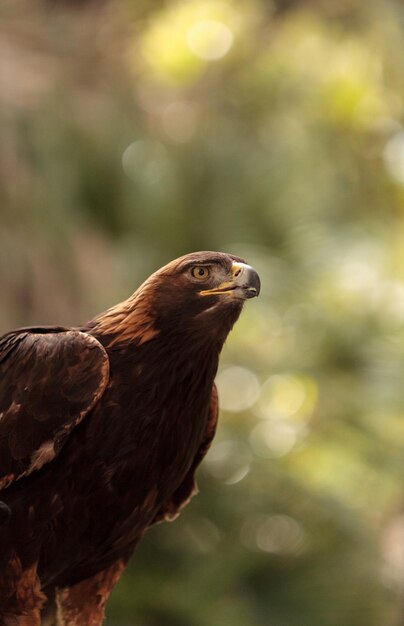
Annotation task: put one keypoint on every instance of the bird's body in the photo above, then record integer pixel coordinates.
(101, 430)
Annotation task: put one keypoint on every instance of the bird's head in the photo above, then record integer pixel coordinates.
(201, 291)
(203, 285)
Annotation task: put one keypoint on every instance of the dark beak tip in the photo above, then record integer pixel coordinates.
(254, 284)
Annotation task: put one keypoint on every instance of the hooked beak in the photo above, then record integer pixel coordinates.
(245, 283)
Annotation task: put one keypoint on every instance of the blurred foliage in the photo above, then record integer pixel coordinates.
(134, 132)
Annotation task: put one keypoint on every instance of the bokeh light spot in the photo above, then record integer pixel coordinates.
(273, 438)
(228, 461)
(238, 388)
(280, 534)
(209, 39)
(281, 396)
(277, 534)
(393, 156)
(144, 160)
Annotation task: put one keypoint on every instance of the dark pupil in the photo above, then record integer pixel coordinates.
(201, 271)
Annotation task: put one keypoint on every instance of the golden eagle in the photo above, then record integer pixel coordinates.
(101, 429)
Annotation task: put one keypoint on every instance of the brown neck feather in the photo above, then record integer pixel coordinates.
(130, 321)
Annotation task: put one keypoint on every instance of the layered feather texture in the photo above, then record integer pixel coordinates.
(101, 430)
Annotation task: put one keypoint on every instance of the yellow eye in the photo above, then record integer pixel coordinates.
(200, 272)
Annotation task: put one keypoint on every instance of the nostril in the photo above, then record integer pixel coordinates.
(237, 273)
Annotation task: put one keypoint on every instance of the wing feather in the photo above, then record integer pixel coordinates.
(49, 380)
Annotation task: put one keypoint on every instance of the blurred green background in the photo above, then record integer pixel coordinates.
(133, 132)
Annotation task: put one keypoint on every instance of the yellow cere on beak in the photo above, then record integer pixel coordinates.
(240, 272)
